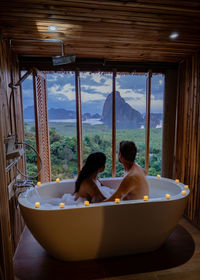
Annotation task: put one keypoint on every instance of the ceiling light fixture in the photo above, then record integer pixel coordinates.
(52, 28)
(174, 35)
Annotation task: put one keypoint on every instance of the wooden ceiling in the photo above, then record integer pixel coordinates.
(113, 30)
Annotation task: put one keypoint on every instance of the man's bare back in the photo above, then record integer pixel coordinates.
(133, 186)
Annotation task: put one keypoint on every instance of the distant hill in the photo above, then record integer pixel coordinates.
(126, 116)
(29, 112)
(59, 114)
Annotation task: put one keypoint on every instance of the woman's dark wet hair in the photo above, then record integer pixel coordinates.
(128, 150)
(93, 162)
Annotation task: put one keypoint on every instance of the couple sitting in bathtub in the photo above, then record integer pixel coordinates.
(133, 186)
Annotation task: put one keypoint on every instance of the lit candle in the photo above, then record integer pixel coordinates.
(168, 196)
(146, 197)
(38, 184)
(177, 181)
(57, 180)
(183, 192)
(86, 202)
(62, 205)
(37, 205)
(158, 175)
(186, 187)
(117, 200)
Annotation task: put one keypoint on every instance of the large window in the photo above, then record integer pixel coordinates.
(156, 122)
(96, 105)
(130, 113)
(90, 112)
(62, 124)
(29, 125)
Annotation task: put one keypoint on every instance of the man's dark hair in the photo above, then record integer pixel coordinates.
(128, 150)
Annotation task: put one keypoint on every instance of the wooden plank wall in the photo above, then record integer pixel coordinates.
(187, 151)
(10, 123)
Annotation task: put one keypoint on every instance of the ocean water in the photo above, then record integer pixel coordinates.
(88, 121)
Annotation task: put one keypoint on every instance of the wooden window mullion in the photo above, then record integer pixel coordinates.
(147, 129)
(79, 122)
(41, 125)
(114, 125)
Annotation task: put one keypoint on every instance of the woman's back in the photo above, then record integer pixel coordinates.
(90, 191)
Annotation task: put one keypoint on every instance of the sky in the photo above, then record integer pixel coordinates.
(95, 87)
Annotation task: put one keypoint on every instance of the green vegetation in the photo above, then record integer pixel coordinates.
(95, 138)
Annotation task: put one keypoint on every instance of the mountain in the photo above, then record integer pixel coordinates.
(156, 120)
(58, 114)
(126, 116)
(29, 113)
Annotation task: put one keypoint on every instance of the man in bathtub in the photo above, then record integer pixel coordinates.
(134, 184)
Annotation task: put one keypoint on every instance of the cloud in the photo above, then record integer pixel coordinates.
(132, 94)
(104, 89)
(68, 92)
(90, 97)
(27, 93)
(52, 78)
(157, 105)
(85, 75)
(30, 77)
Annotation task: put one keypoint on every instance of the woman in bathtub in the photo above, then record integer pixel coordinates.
(87, 184)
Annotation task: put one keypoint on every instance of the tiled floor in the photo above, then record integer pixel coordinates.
(177, 259)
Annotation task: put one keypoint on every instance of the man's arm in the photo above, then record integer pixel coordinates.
(123, 189)
(97, 192)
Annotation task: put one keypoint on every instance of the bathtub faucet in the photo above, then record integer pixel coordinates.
(20, 184)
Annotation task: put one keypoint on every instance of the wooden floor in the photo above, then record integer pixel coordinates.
(182, 261)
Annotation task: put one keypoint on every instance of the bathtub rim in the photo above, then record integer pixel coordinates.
(23, 201)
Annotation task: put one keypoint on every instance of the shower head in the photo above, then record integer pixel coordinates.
(60, 60)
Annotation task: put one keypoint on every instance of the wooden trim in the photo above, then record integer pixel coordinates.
(5, 227)
(23, 78)
(41, 125)
(114, 125)
(187, 154)
(147, 130)
(176, 122)
(36, 117)
(95, 64)
(79, 122)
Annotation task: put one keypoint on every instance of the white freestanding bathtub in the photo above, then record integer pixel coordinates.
(105, 229)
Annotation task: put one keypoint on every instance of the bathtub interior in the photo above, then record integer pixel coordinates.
(157, 187)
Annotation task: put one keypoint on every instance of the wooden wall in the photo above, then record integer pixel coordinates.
(187, 151)
(11, 224)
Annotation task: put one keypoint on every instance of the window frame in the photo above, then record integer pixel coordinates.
(79, 121)
(79, 115)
